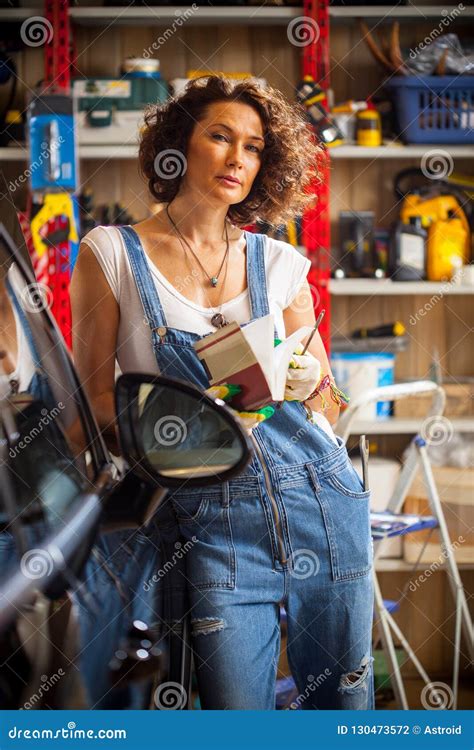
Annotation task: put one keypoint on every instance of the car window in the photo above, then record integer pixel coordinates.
(44, 449)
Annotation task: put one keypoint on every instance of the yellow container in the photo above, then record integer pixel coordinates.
(369, 128)
(446, 249)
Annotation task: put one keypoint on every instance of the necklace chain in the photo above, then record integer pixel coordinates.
(218, 320)
(213, 279)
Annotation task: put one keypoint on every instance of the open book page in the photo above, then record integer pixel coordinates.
(259, 334)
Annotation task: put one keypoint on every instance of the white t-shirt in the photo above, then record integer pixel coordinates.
(285, 271)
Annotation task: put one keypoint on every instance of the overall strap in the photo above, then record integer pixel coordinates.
(154, 313)
(256, 281)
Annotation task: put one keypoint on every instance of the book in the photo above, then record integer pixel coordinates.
(246, 356)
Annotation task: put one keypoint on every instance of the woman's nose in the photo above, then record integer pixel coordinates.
(235, 155)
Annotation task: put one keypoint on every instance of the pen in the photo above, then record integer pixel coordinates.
(316, 326)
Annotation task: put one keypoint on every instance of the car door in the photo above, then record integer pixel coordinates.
(54, 463)
(55, 470)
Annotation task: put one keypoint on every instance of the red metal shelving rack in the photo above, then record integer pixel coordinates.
(53, 269)
(57, 61)
(316, 223)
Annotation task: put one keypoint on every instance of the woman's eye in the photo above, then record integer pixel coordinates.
(220, 135)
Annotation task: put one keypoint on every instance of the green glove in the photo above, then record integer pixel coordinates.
(248, 419)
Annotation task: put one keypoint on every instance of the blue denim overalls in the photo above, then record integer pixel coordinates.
(293, 529)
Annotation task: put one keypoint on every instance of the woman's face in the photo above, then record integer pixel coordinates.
(227, 141)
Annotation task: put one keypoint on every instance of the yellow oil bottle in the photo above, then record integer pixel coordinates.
(446, 249)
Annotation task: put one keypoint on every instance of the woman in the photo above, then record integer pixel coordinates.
(293, 530)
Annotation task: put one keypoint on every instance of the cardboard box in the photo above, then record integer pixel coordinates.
(459, 402)
(456, 490)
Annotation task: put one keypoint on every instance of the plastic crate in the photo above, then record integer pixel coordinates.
(434, 109)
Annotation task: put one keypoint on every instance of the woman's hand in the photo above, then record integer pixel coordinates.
(248, 419)
(301, 313)
(304, 373)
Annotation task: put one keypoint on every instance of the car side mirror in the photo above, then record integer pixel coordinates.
(173, 433)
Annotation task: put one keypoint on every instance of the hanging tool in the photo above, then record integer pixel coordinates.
(391, 59)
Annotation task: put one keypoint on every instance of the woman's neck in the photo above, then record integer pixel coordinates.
(202, 224)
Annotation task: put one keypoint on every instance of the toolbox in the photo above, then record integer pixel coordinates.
(110, 110)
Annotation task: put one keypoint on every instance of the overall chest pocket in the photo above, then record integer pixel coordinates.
(345, 508)
(176, 358)
(205, 527)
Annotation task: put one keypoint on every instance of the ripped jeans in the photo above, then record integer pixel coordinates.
(237, 582)
(220, 543)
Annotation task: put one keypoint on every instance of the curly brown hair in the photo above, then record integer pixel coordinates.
(289, 160)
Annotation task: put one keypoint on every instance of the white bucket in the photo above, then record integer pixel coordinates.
(356, 373)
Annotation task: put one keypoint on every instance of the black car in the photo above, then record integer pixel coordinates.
(62, 497)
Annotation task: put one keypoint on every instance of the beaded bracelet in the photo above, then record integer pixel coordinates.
(338, 396)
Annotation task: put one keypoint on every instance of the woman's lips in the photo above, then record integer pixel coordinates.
(230, 183)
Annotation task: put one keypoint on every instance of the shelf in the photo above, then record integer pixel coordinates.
(418, 13)
(19, 14)
(129, 151)
(13, 154)
(402, 426)
(387, 344)
(375, 287)
(159, 15)
(154, 15)
(392, 564)
(84, 152)
(397, 151)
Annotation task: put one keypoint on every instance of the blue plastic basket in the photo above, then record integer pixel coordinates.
(434, 109)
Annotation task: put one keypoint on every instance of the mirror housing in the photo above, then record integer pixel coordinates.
(190, 448)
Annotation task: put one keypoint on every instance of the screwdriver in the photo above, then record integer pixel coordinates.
(364, 454)
(316, 326)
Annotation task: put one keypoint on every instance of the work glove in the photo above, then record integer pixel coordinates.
(248, 419)
(304, 373)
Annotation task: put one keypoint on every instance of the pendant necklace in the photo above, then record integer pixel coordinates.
(213, 279)
(218, 320)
